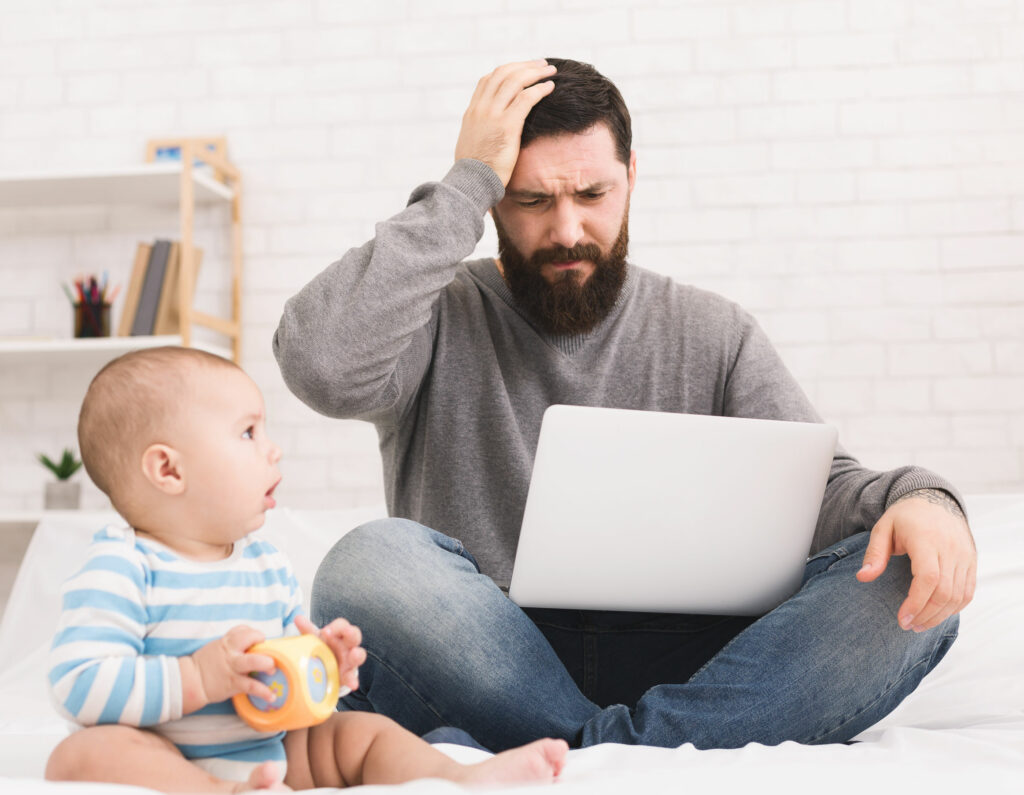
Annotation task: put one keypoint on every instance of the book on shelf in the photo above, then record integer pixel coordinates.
(131, 296)
(151, 302)
(153, 283)
(168, 316)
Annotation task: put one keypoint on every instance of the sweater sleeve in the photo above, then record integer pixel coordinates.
(97, 672)
(357, 340)
(759, 385)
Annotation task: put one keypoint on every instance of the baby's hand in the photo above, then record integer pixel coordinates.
(221, 668)
(343, 639)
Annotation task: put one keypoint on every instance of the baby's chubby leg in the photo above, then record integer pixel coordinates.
(126, 755)
(352, 748)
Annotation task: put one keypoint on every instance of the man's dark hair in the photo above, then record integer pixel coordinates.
(582, 97)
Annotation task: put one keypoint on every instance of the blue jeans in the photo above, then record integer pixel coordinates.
(446, 647)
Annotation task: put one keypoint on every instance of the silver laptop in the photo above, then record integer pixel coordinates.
(676, 513)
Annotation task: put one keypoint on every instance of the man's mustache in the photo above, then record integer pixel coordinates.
(581, 251)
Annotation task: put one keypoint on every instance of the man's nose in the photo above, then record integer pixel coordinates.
(566, 224)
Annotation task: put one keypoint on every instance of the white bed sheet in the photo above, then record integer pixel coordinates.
(963, 729)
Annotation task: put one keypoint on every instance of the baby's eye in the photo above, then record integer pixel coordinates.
(248, 432)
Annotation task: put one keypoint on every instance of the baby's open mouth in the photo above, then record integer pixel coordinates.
(268, 498)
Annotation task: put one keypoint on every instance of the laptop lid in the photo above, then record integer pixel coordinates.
(665, 512)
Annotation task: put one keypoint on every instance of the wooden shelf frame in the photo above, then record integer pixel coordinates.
(212, 152)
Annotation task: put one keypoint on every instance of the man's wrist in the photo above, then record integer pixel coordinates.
(478, 181)
(938, 497)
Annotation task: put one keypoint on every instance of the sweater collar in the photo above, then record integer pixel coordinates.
(486, 270)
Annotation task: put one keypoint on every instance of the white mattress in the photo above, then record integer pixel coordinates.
(962, 730)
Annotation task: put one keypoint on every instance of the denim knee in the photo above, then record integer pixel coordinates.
(349, 571)
(371, 538)
(382, 569)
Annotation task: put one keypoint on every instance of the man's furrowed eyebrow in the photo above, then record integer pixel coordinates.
(597, 187)
(528, 194)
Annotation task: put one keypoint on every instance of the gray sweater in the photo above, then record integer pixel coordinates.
(433, 350)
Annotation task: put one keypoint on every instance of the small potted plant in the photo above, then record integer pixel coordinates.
(63, 494)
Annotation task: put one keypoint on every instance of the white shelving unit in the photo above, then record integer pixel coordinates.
(148, 183)
(95, 351)
(176, 183)
(202, 176)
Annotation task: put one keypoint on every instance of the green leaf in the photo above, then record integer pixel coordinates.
(67, 467)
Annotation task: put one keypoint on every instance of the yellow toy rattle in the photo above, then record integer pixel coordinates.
(305, 684)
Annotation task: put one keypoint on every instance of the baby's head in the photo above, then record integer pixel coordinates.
(175, 437)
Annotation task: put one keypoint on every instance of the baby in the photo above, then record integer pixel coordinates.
(153, 635)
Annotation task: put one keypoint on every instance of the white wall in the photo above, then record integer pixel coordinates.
(850, 170)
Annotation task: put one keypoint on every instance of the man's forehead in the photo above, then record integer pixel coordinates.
(570, 160)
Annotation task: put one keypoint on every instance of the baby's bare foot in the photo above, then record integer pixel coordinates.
(266, 776)
(539, 761)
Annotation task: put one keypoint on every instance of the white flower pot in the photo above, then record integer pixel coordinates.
(62, 495)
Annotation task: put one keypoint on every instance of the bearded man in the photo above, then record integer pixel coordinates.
(455, 363)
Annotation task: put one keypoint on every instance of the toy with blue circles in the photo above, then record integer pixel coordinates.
(305, 685)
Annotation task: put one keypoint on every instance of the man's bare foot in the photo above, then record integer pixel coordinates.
(266, 776)
(541, 760)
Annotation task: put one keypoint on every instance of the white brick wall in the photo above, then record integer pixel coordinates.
(850, 170)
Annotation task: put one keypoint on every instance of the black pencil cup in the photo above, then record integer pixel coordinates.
(92, 320)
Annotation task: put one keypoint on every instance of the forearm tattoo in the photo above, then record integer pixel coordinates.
(936, 497)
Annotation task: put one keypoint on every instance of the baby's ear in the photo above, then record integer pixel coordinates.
(162, 466)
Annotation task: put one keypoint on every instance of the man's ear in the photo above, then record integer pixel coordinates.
(162, 466)
(631, 169)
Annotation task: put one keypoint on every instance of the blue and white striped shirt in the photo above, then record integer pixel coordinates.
(135, 607)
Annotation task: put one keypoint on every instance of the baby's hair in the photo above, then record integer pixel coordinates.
(132, 403)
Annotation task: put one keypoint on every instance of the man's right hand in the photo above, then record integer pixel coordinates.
(493, 123)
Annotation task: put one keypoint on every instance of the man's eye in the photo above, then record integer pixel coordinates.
(592, 196)
(248, 432)
(531, 202)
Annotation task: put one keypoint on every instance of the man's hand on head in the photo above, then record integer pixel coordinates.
(929, 526)
(493, 123)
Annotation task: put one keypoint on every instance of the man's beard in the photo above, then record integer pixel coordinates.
(566, 306)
